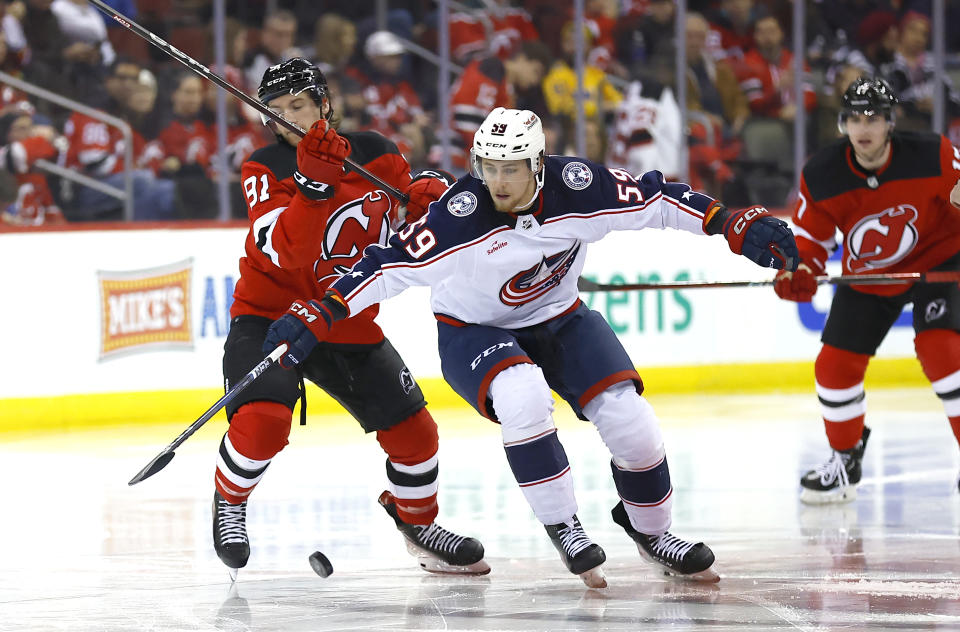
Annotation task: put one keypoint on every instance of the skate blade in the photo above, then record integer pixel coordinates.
(840, 495)
(233, 574)
(594, 578)
(433, 564)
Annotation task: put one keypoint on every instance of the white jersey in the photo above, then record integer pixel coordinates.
(512, 271)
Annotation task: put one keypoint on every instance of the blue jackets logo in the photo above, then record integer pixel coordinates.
(577, 176)
(462, 204)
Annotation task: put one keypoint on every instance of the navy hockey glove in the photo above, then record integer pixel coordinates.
(320, 156)
(761, 238)
(304, 325)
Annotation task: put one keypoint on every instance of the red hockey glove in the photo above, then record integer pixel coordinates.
(304, 325)
(426, 187)
(320, 156)
(761, 238)
(799, 285)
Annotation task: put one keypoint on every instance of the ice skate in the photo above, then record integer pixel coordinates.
(836, 480)
(438, 550)
(676, 557)
(580, 555)
(230, 539)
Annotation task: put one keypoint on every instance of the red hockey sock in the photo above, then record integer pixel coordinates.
(412, 466)
(258, 431)
(939, 353)
(839, 377)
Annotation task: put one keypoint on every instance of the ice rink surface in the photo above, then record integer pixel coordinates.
(80, 550)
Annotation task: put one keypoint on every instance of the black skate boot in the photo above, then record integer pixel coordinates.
(675, 556)
(836, 480)
(580, 555)
(230, 539)
(438, 550)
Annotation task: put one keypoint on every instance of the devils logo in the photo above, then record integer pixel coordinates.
(534, 282)
(351, 228)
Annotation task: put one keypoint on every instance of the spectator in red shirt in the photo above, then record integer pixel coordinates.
(489, 83)
(393, 107)
(23, 144)
(187, 148)
(766, 74)
(98, 150)
(498, 30)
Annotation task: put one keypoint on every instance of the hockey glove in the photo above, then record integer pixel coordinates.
(426, 187)
(304, 325)
(799, 285)
(761, 238)
(320, 156)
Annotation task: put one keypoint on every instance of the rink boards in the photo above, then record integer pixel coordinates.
(115, 324)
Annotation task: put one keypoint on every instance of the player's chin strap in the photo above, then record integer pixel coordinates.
(536, 191)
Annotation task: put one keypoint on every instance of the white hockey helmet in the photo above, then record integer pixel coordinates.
(510, 135)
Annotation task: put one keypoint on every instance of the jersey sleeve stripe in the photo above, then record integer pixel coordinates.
(828, 244)
(263, 231)
(605, 211)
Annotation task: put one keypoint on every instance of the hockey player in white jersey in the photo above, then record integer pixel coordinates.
(501, 252)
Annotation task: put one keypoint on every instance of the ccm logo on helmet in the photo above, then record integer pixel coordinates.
(496, 347)
(746, 217)
(300, 310)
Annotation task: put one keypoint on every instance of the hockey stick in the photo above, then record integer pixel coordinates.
(160, 461)
(586, 285)
(206, 73)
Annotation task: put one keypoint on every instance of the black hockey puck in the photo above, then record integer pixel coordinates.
(320, 564)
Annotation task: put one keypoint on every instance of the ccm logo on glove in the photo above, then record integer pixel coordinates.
(744, 219)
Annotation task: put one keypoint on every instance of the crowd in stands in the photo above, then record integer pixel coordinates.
(516, 53)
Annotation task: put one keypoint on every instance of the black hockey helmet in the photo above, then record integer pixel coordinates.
(294, 76)
(867, 96)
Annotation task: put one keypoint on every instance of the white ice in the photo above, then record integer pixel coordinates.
(80, 550)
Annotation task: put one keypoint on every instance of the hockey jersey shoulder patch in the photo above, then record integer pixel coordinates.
(577, 175)
(462, 204)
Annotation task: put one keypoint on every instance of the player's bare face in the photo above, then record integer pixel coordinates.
(510, 182)
(299, 109)
(868, 135)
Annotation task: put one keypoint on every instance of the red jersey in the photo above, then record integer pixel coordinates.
(498, 32)
(762, 83)
(188, 141)
(482, 87)
(97, 148)
(34, 204)
(295, 249)
(895, 219)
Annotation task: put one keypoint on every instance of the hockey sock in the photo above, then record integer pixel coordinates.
(541, 468)
(629, 428)
(258, 431)
(413, 467)
(939, 353)
(843, 403)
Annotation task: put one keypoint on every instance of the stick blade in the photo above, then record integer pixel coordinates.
(158, 463)
(586, 285)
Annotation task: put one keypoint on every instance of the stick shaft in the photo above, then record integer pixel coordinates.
(166, 455)
(936, 276)
(206, 73)
(229, 395)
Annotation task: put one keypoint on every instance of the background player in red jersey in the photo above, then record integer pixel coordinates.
(895, 197)
(310, 220)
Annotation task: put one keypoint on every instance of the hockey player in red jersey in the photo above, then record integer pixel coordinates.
(311, 217)
(895, 197)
